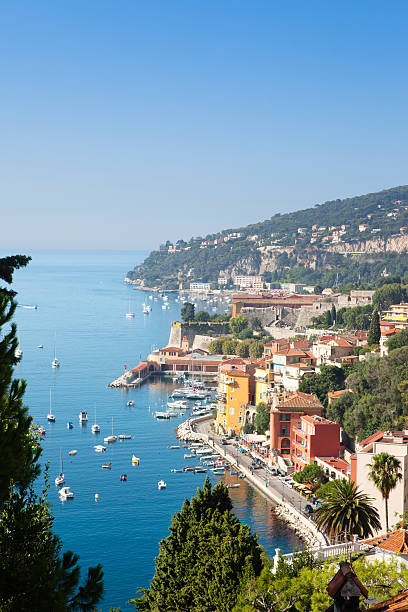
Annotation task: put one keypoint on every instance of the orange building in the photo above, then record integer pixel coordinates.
(314, 436)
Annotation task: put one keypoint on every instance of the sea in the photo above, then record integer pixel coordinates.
(81, 301)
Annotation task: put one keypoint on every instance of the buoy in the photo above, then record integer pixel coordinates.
(96, 497)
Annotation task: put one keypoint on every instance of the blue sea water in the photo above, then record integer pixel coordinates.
(82, 300)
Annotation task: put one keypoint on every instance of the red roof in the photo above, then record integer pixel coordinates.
(300, 400)
(398, 603)
(336, 463)
(394, 541)
(373, 438)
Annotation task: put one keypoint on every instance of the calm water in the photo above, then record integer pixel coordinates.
(83, 300)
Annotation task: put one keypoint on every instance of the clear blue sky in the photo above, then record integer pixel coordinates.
(124, 123)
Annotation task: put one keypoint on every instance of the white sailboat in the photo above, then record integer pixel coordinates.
(129, 314)
(111, 438)
(18, 352)
(95, 427)
(50, 415)
(61, 478)
(55, 362)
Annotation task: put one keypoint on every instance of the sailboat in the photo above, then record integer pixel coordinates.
(50, 415)
(111, 438)
(95, 427)
(129, 314)
(18, 352)
(61, 478)
(55, 362)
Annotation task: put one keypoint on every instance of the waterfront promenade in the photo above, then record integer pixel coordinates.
(291, 504)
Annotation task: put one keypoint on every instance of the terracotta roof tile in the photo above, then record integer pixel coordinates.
(301, 400)
(398, 603)
(394, 541)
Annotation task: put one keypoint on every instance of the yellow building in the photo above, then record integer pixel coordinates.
(234, 387)
(263, 383)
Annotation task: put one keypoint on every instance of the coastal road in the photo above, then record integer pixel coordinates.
(280, 490)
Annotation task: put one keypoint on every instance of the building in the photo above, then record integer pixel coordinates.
(394, 443)
(200, 287)
(397, 314)
(312, 436)
(334, 467)
(263, 382)
(235, 393)
(290, 365)
(332, 349)
(243, 282)
(268, 300)
(285, 416)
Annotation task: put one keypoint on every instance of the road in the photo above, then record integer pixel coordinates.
(281, 490)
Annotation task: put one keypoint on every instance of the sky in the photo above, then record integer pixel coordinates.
(125, 123)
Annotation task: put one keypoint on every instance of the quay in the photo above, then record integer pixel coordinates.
(290, 505)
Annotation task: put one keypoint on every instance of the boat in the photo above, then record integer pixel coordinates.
(177, 404)
(55, 362)
(172, 413)
(200, 470)
(129, 314)
(70, 425)
(124, 437)
(233, 473)
(50, 415)
(110, 438)
(161, 415)
(72, 452)
(161, 485)
(99, 448)
(83, 416)
(60, 479)
(176, 471)
(107, 465)
(188, 456)
(65, 493)
(123, 477)
(130, 403)
(135, 460)
(146, 308)
(40, 346)
(233, 486)
(18, 352)
(95, 427)
(175, 446)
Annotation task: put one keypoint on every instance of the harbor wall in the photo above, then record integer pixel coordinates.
(196, 341)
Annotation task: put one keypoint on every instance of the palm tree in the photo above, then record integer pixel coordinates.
(385, 474)
(347, 510)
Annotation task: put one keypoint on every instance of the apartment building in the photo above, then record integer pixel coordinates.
(236, 387)
(312, 436)
(397, 314)
(394, 443)
(200, 287)
(246, 282)
(332, 348)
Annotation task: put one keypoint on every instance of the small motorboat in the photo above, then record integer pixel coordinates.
(176, 471)
(65, 493)
(40, 346)
(72, 452)
(175, 446)
(83, 416)
(161, 485)
(107, 465)
(70, 425)
(162, 415)
(135, 460)
(96, 497)
(124, 437)
(95, 428)
(60, 480)
(123, 477)
(130, 403)
(99, 448)
(200, 470)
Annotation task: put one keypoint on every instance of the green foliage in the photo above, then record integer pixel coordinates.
(92, 591)
(374, 333)
(312, 474)
(262, 418)
(389, 294)
(346, 511)
(255, 324)
(238, 324)
(398, 340)
(188, 311)
(336, 409)
(7, 267)
(326, 490)
(215, 346)
(331, 378)
(384, 472)
(229, 347)
(202, 315)
(317, 289)
(204, 560)
(248, 428)
(256, 348)
(245, 334)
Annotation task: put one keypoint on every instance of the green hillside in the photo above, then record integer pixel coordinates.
(299, 246)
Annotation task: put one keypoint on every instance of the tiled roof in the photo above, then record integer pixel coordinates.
(373, 438)
(335, 394)
(176, 349)
(291, 353)
(315, 418)
(336, 463)
(398, 603)
(301, 400)
(236, 372)
(394, 541)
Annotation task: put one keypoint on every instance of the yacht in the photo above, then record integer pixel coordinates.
(135, 460)
(50, 415)
(110, 438)
(124, 437)
(95, 427)
(60, 479)
(161, 415)
(99, 448)
(55, 362)
(129, 314)
(161, 485)
(83, 416)
(70, 425)
(65, 493)
(146, 308)
(18, 352)
(107, 465)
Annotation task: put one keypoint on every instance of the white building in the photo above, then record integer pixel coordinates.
(243, 282)
(200, 286)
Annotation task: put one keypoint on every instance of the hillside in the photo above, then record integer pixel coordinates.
(306, 246)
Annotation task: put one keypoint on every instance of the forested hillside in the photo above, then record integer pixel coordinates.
(305, 246)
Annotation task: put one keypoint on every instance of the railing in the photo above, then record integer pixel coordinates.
(323, 553)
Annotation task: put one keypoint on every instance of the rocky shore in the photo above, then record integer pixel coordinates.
(291, 518)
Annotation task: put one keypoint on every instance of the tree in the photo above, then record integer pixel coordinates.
(398, 340)
(347, 511)
(256, 349)
(248, 428)
(328, 318)
(262, 418)
(92, 591)
(312, 474)
(389, 294)
(331, 378)
(384, 473)
(317, 289)
(7, 267)
(245, 334)
(374, 333)
(243, 349)
(333, 314)
(215, 346)
(202, 563)
(336, 409)
(188, 312)
(238, 324)
(229, 347)
(255, 324)
(202, 315)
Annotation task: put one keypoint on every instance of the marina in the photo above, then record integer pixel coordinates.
(124, 514)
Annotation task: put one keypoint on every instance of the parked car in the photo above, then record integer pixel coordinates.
(309, 509)
(224, 442)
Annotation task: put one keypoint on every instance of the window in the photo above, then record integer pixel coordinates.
(231, 411)
(285, 416)
(283, 430)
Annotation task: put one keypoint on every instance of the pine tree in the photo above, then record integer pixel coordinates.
(202, 562)
(333, 314)
(374, 333)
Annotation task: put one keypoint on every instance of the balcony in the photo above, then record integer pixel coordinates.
(299, 444)
(221, 409)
